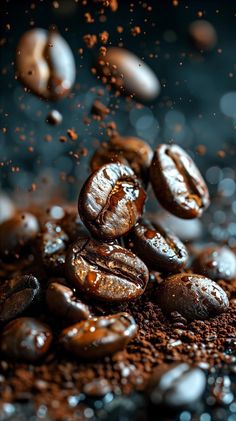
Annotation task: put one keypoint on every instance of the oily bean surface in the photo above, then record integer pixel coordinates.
(106, 272)
(111, 201)
(98, 337)
(193, 296)
(51, 245)
(216, 263)
(25, 339)
(177, 182)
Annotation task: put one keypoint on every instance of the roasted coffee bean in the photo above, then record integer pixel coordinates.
(193, 296)
(216, 263)
(17, 232)
(106, 272)
(160, 249)
(73, 226)
(62, 302)
(127, 149)
(51, 245)
(111, 201)
(203, 35)
(45, 63)
(177, 182)
(25, 339)
(54, 118)
(100, 336)
(97, 388)
(7, 208)
(176, 385)
(16, 295)
(128, 73)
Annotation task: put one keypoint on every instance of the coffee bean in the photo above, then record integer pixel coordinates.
(216, 263)
(193, 296)
(203, 35)
(16, 295)
(17, 232)
(51, 246)
(127, 149)
(106, 272)
(97, 388)
(111, 201)
(45, 63)
(128, 74)
(160, 249)
(73, 226)
(62, 302)
(25, 339)
(177, 182)
(54, 118)
(100, 336)
(176, 385)
(7, 208)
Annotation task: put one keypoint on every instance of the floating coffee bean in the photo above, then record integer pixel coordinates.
(16, 295)
(62, 302)
(45, 63)
(54, 118)
(216, 263)
(177, 182)
(7, 208)
(193, 296)
(111, 201)
(106, 272)
(131, 150)
(176, 385)
(100, 336)
(160, 249)
(25, 339)
(203, 35)
(17, 232)
(128, 73)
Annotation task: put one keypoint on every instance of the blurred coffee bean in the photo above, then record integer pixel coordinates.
(97, 388)
(100, 336)
(111, 201)
(62, 302)
(7, 208)
(106, 272)
(192, 296)
(54, 118)
(176, 385)
(177, 182)
(17, 232)
(25, 339)
(16, 295)
(73, 226)
(216, 263)
(128, 73)
(132, 150)
(45, 63)
(160, 249)
(51, 245)
(203, 35)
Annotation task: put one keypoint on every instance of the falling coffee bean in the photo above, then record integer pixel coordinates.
(192, 296)
(216, 263)
(45, 63)
(177, 182)
(16, 295)
(100, 336)
(176, 385)
(17, 232)
(25, 339)
(62, 302)
(160, 249)
(54, 118)
(51, 246)
(111, 201)
(128, 73)
(106, 272)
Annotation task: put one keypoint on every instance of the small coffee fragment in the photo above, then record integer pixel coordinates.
(54, 118)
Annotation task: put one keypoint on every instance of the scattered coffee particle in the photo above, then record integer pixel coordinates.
(99, 109)
(90, 40)
(72, 134)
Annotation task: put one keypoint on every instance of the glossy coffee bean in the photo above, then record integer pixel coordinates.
(16, 295)
(100, 336)
(25, 339)
(45, 63)
(111, 201)
(177, 182)
(192, 296)
(62, 302)
(160, 249)
(127, 149)
(51, 246)
(54, 118)
(107, 272)
(128, 73)
(17, 232)
(176, 385)
(216, 263)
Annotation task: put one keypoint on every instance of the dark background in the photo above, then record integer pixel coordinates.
(188, 111)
